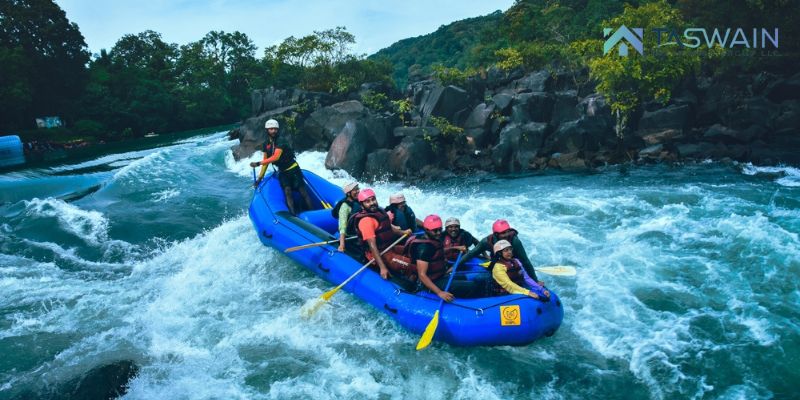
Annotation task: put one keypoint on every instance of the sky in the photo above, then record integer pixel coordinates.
(375, 23)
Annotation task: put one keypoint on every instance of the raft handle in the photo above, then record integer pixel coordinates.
(266, 235)
(479, 312)
(323, 268)
(390, 309)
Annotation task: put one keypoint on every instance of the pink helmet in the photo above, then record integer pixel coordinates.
(365, 194)
(432, 222)
(500, 226)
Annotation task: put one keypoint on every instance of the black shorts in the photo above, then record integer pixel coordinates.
(292, 178)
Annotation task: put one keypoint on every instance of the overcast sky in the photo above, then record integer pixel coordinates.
(375, 23)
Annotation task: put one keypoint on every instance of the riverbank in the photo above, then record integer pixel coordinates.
(51, 147)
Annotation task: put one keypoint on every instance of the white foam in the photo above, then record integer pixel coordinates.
(90, 226)
(786, 176)
(165, 195)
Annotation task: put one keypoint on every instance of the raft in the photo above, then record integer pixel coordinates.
(514, 320)
(11, 151)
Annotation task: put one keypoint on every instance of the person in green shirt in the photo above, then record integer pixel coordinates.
(344, 208)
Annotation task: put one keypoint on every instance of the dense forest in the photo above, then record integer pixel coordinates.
(143, 84)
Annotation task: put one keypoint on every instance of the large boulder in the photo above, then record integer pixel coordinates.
(536, 107)
(497, 77)
(539, 81)
(264, 100)
(478, 124)
(585, 134)
(410, 156)
(781, 90)
(573, 161)
(503, 100)
(664, 125)
(721, 133)
(322, 125)
(349, 149)
(445, 102)
(518, 146)
(377, 165)
(565, 107)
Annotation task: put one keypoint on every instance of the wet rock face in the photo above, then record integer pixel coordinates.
(509, 120)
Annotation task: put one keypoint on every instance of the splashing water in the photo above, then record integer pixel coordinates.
(687, 285)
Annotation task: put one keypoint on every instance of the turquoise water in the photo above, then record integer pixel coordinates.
(687, 286)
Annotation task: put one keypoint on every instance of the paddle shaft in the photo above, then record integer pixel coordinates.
(341, 285)
(306, 246)
(430, 330)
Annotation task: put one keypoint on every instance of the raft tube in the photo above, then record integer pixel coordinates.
(489, 321)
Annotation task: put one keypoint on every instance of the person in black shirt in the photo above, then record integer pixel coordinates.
(278, 152)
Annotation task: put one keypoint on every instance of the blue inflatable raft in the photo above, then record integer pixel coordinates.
(489, 321)
(11, 151)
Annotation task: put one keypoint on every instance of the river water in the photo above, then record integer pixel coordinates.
(687, 286)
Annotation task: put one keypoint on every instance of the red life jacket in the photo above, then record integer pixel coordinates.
(383, 233)
(450, 242)
(400, 259)
(514, 271)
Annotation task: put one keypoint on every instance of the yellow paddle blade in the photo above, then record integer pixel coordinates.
(427, 336)
(561, 270)
(327, 295)
(311, 307)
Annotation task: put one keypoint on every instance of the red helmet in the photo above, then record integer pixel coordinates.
(365, 194)
(432, 222)
(500, 226)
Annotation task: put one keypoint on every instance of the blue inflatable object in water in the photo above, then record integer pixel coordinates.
(11, 151)
(488, 321)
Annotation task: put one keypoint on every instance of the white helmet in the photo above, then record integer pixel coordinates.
(501, 245)
(271, 123)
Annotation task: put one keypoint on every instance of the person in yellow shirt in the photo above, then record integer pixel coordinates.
(510, 277)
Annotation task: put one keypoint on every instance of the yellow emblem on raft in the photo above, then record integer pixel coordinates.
(510, 316)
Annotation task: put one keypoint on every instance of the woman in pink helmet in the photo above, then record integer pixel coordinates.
(501, 230)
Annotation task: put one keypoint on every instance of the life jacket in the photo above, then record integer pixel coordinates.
(354, 207)
(402, 260)
(493, 238)
(450, 242)
(383, 233)
(514, 271)
(405, 219)
(286, 160)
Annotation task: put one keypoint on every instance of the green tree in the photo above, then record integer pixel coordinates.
(46, 57)
(628, 81)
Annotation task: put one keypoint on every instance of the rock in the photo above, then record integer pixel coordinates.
(652, 152)
(264, 100)
(518, 146)
(664, 125)
(721, 133)
(781, 90)
(539, 81)
(497, 77)
(410, 156)
(323, 124)
(569, 138)
(565, 107)
(402, 132)
(536, 107)
(751, 111)
(444, 102)
(478, 123)
(349, 149)
(503, 100)
(568, 161)
(377, 165)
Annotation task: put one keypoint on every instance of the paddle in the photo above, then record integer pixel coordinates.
(305, 246)
(430, 330)
(325, 204)
(327, 295)
(559, 270)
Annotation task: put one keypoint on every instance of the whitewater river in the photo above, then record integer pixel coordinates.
(145, 264)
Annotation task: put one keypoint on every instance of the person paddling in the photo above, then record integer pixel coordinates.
(455, 239)
(374, 228)
(501, 230)
(344, 208)
(279, 153)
